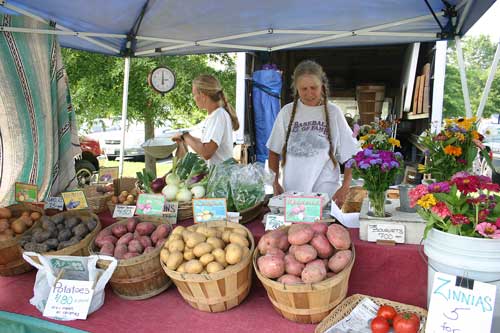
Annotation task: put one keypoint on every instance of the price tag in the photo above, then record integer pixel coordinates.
(54, 203)
(303, 209)
(206, 210)
(170, 211)
(106, 175)
(273, 222)
(75, 200)
(386, 232)
(26, 192)
(123, 211)
(460, 305)
(69, 299)
(150, 204)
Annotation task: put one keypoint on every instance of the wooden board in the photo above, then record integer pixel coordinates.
(421, 94)
(427, 88)
(415, 95)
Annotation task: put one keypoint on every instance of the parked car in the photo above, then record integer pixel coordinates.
(88, 163)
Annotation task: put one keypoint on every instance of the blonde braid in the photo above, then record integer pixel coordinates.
(327, 117)
(229, 109)
(294, 110)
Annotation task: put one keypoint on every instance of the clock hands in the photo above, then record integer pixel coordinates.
(162, 78)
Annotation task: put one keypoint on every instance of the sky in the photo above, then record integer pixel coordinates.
(488, 24)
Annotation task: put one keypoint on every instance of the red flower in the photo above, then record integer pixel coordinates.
(459, 219)
(483, 215)
(467, 185)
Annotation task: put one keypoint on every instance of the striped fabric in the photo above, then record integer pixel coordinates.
(38, 133)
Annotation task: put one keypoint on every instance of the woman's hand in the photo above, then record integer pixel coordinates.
(277, 188)
(177, 138)
(341, 195)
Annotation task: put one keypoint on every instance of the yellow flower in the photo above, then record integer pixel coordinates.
(475, 134)
(364, 137)
(394, 142)
(421, 168)
(460, 136)
(427, 201)
(452, 150)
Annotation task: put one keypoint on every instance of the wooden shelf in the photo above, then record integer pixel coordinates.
(410, 116)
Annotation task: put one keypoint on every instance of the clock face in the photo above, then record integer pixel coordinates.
(162, 79)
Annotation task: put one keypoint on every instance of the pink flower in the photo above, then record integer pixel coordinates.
(416, 193)
(441, 210)
(488, 230)
(458, 219)
(498, 223)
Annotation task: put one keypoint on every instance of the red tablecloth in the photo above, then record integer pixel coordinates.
(396, 272)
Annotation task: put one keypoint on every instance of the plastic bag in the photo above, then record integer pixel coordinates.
(218, 185)
(75, 268)
(248, 185)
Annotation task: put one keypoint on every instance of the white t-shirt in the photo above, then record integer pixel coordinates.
(218, 128)
(308, 166)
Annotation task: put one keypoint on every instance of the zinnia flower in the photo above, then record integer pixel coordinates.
(416, 193)
(452, 150)
(394, 142)
(458, 219)
(488, 230)
(441, 210)
(427, 201)
(439, 187)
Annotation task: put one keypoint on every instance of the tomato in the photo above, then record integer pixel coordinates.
(387, 311)
(406, 322)
(380, 325)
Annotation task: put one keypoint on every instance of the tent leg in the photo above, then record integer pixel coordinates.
(487, 87)
(124, 112)
(240, 95)
(438, 86)
(463, 77)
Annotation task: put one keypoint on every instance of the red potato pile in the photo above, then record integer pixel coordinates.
(131, 239)
(305, 253)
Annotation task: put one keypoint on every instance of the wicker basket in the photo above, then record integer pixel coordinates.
(82, 247)
(306, 303)
(185, 210)
(344, 308)
(96, 200)
(11, 253)
(250, 214)
(137, 278)
(220, 291)
(122, 184)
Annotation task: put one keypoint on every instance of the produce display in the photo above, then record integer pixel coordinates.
(57, 232)
(125, 198)
(131, 239)
(304, 253)
(387, 316)
(11, 226)
(204, 249)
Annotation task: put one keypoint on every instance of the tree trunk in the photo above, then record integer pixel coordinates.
(149, 133)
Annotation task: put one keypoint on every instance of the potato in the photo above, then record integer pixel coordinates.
(202, 248)
(65, 235)
(174, 260)
(239, 239)
(214, 266)
(18, 226)
(4, 225)
(276, 252)
(220, 256)
(164, 253)
(135, 246)
(319, 227)
(176, 245)
(125, 239)
(35, 216)
(7, 236)
(5, 213)
(206, 259)
(305, 253)
(322, 246)
(174, 237)
(270, 240)
(161, 232)
(340, 260)
(339, 237)
(234, 253)
(242, 232)
(181, 268)
(194, 266)
(192, 239)
(107, 249)
(120, 250)
(132, 224)
(124, 194)
(300, 234)
(290, 279)
(114, 199)
(292, 266)
(25, 214)
(314, 272)
(271, 267)
(145, 228)
(119, 230)
(202, 229)
(225, 236)
(80, 230)
(178, 230)
(145, 241)
(216, 243)
(188, 254)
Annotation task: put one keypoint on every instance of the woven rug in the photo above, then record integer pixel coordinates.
(38, 133)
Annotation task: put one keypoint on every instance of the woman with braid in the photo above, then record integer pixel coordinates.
(312, 137)
(216, 142)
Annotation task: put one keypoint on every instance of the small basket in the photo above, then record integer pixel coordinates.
(347, 305)
(250, 214)
(220, 291)
(122, 184)
(11, 253)
(96, 200)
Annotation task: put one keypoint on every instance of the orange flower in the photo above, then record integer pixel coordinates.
(452, 150)
(475, 135)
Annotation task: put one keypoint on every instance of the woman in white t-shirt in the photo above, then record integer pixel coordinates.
(216, 142)
(312, 137)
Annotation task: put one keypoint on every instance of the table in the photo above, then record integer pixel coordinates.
(395, 272)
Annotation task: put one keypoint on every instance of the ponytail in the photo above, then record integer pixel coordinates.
(229, 109)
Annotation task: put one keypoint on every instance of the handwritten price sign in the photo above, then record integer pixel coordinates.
(69, 299)
(460, 305)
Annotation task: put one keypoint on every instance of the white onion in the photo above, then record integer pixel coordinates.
(172, 179)
(198, 191)
(170, 192)
(184, 195)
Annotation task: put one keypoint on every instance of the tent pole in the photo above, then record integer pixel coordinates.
(487, 87)
(438, 86)
(124, 112)
(463, 76)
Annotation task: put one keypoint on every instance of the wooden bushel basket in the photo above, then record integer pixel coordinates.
(95, 200)
(122, 184)
(250, 214)
(137, 278)
(11, 253)
(185, 210)
(306, 303)
(220, 291)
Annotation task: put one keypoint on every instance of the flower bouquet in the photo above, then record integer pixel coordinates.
(467, 205)
(378, 169)
(453, 149)
(377, 135)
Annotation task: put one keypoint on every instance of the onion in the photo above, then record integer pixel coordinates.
(158, 184)
(170, 192)
(184, 195)
(198, 191)
(172, 179)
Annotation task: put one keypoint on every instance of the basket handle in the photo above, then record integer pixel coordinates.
(28, 257)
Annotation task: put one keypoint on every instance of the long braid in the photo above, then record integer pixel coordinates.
(331, 151)
(229, 109)
(294, 110)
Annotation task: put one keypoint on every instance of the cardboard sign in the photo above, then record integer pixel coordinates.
(26, 192)
(123, 211)
(303, 209)
(74, 200)
(206, 210)
(54, 203)
(69, 299)
(460, 305)
(107, 174)
(386, 232)
(150, 204)
(273, 222)
(170, 211)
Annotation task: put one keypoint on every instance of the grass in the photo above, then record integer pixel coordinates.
(131, 168)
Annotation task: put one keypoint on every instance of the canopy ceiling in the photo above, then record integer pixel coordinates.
(201, 26)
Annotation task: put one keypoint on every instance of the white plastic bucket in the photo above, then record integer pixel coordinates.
(473, 258)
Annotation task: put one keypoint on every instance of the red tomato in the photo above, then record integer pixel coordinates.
(380, 325)
(406, 322)
(387, 311)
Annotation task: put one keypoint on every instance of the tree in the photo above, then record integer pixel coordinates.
(96, 84)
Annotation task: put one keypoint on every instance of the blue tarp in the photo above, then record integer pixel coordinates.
(266, 90)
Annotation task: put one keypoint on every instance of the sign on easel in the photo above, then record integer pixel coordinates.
(386, 232)
(273, 222)
(107, 174)
(150, 204)
(26, 192)
(170, 211)
(75, 200)
(69, 299)
(303, 209)
(54, 203)
(207, 210)
(460, 305)
(123, 211)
